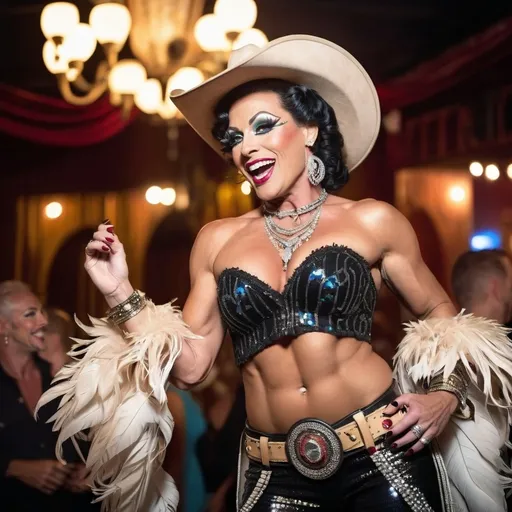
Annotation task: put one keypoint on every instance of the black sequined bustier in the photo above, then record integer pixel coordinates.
(331, 291)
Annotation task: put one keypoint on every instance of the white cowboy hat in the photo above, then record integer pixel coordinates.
(307, 60)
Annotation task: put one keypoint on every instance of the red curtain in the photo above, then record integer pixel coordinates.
(52, 121)
(449, 69)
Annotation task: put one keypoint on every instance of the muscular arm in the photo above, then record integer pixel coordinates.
(200, 313)
(403, 269)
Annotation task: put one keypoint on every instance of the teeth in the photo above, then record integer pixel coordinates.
(38, 334)
(259, 164)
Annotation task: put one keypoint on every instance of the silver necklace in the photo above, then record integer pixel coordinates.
(288, 240)
(281, 214)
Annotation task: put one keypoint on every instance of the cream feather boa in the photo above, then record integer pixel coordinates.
(114, 390)
(471, 447)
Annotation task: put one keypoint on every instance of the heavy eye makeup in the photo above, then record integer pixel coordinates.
(261, 123)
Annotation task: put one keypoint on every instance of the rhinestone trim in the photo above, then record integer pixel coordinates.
(394, 469)
(334, 449)
(256, 493)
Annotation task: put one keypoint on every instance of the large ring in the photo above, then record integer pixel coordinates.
(425, 441)
(314, 449)
(417, 430)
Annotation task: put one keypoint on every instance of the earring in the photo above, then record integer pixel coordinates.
(316, 170)
(6, 340)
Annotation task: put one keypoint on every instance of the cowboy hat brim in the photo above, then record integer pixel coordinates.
(307, 60)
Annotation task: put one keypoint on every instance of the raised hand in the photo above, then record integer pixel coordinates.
(105, 260)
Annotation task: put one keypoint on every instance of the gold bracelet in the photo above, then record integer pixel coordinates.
(132, 306)
(457, 383)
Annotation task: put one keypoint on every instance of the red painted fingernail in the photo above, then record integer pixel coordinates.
(387, 423)
(372, 450)
(110, 229)
(394, 403)
(408, 453)
(108, 239)
(105, 248)
(394, 446)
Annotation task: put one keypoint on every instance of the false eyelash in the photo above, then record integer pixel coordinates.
(229, 141)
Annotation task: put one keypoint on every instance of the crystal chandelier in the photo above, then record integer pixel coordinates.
(175, 47)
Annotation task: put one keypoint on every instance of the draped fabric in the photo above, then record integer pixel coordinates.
(55, 122)
(51, 121)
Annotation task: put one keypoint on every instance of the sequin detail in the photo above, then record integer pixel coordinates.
(331, 291)
(395, 470)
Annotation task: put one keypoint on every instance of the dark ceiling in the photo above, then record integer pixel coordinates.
(388, 36)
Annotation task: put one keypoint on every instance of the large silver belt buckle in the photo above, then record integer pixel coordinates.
(314, 449)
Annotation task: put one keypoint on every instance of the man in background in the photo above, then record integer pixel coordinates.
(482, 284)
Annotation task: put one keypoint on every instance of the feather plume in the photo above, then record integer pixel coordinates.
(471, 449)
(436, 345)
(115, 389)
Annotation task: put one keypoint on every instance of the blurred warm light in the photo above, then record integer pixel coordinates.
(492, 172)
(80, 43)
(154, 195)
(252, 36)
(168, 196)
(185, 78)
(476, 169)
(127, 77)
(246, 188)
(182, 199)
(58, 19)
(149, 96)
(54, 58)
(457, 194)
(236, 15)
(167, 109)
(53, 210)
(210, 35)
(110, 23)
(509, 171)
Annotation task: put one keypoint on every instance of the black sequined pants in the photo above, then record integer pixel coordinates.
(386, 482)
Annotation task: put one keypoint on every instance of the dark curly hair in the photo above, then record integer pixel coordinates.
(307, 108)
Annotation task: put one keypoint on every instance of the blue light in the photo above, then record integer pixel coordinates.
(487, 239)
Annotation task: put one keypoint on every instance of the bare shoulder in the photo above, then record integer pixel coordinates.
(214, 235)
(385, 222)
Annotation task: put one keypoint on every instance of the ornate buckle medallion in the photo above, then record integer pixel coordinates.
(314, 449)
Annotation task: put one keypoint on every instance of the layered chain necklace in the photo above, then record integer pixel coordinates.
(287, 240)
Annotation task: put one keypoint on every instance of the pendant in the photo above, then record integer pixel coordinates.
(286, 257)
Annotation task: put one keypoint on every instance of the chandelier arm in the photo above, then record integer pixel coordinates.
(83, 85)
(97, 90)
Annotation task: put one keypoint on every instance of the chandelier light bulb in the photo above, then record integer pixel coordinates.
(58, 19)
(210, 35)
(80, 43)
(168, 109)
(252, 36)
(168, 196)
(185, 78)
(111, 23)
(492, 172)
(154, 195)
(509, 171)
(53, 210)
(476, 169)
(149, 97)
(127, 77)
(236, 15)
(55, 59)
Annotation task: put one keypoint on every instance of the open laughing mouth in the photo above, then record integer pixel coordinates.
(260, 170)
